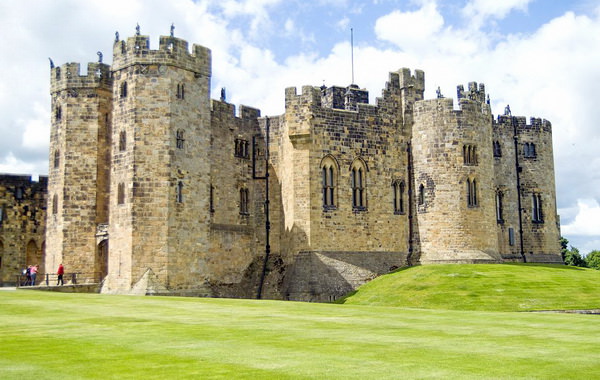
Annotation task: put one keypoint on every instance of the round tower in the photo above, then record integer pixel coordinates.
(453, 179)
(78, 173)
(160, 167)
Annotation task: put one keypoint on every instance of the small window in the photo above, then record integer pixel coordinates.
(123, 91)
(242, 148)
(56, 158)
(328, 180)
(358, 183)
(58, 73)
(421, 198)
(55, 204)
(58, 113)
(19, 193)
(122, 141)
(180, 139)
(180, 91)
(469, 155)
(511, 236)
(497, 149)
(536, 208)
(121, 194)
(529, 150)
(471, 193)
(212, 199)
(244, 201)
(499, 210)
(398, 193)
(179, 191)
(1, 214)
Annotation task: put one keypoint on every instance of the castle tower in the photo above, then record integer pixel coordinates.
(453, 179)
(160, 169)
(78, 174)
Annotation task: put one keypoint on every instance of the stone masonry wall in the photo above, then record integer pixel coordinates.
(22, 225)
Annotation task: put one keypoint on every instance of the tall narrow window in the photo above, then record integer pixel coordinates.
(180, 139)
(180, 91)
(469, 155)
(58, 113)
(212, 199)
(1, 214)
(122, 141)
(121, 193)
(499, 197)
(421, 198)
(328, 180)
(242, 148)
(56, 158)
(471, 193)
(244, 201)
(398, 194)
(123, 90)
(19, 193)
(511, 236)
(497, 149)
(358, 182)
(179, 192)
(54, 204)
(536, 208)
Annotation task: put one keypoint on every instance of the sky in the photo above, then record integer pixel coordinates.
(542, 57)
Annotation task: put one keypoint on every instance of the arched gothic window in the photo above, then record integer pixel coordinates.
(329, 171)
(398, 193)
(358, 176)
(469, 155)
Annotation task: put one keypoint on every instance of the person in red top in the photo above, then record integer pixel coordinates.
(60, 272)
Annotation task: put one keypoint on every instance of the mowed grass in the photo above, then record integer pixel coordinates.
(47, 335)
(493, 287)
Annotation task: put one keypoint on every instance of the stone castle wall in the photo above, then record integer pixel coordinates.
(177, 201)
(22, 226)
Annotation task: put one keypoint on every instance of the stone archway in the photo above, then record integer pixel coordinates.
(34, 256)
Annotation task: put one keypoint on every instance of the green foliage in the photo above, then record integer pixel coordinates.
(89, 336)
(593, 260)
(564, 244)
(489, 287)
(573, 258)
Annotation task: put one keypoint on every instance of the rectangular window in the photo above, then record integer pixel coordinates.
(511, 236)
(242, 148)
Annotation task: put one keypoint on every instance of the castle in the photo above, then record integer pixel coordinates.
(156, 188)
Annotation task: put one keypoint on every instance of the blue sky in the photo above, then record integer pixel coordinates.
(542, 57)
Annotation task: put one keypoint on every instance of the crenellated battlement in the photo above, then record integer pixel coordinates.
(222, 110)
(473, 92)
(172, 51)
(404, 78)
(535, 124)
(309, 95)
(68, 76)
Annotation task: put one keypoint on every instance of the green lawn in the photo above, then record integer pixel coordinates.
(493, 287)
(47, 335)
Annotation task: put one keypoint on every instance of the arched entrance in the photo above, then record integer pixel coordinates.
(101, 260)
(34, 255)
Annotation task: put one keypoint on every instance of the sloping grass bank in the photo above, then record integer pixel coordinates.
(494, 287)
(88, 336)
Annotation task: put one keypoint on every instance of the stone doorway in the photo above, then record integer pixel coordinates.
(101, 260)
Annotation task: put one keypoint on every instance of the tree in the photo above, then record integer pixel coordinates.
(573, 258)
(593, 259)
(564, 244)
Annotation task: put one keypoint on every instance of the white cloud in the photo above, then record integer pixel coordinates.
(479, 10)
(587, 221)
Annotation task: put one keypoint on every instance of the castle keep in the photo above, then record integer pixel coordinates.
(156, 188)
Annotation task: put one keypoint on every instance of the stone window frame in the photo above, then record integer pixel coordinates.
(242, 148)
(511, 236)
(329, 178)
(244, 201)
(469, 154)
(179, 138)
(56, 161)
(123, 90)
(398, 188)
(497, 149)
(529, 150)
(58, 113)
(499, 206)
(421, 195)
(122, 141)
(180, 94)
(358, 184)
(537, 216)
(179, 192)
(472, 196)
(54, 204)
(211, 199)
(121, 193)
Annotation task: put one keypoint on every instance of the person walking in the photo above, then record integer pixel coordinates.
(60, 272)
(33, 273)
